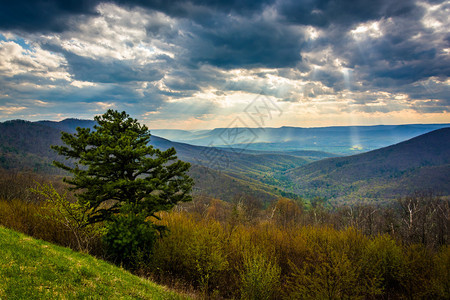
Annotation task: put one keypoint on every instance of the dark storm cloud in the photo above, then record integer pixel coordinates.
(181, 81)
(199, 9)
(343, 12)
(207, 38)
(128, 95)
(330, 77)
(36, 78)
(55, 15)
(43, 15)
(186, 81)
(405, 52)
(109, 70)
(246, 43)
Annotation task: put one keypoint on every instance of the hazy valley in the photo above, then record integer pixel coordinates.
(222, 171)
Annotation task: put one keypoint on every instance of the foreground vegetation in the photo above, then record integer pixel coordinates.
(241, 250)
(267, 261)
(34, 269)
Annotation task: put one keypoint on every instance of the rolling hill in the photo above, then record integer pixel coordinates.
(420, 163)
(26, 146)
(386, 173)
(337, 139)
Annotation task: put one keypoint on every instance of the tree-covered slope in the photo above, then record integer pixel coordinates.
(26, 146)
(417, 164)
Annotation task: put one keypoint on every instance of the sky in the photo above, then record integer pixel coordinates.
(207, 64)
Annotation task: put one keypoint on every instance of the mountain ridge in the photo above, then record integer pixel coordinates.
(343, 140)
(383, 168)
(25, 145)
(223, 172)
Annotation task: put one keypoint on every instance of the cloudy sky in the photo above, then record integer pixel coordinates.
(201, 64)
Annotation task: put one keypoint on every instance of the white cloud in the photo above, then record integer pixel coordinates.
(34, 62)
(436, 16)
(367, 30)
(119, 34)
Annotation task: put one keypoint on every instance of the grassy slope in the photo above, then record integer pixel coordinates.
(34, 269)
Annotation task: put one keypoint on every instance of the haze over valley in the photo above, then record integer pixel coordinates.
(302, 167)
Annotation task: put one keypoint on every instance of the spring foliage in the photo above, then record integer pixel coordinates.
(233, 250)
(266, 259)
(72, 215)
(269, 261)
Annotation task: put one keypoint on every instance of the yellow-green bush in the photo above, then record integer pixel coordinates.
(191, 250)
(260, 277)
(417, 273)
(382, 262)
(271, 261)
(441, 276)
(333, 266)
(27, 217)
(35, 219)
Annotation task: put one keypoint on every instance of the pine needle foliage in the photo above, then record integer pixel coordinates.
(113, 166)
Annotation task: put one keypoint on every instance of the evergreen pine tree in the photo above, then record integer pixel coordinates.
(114, 168)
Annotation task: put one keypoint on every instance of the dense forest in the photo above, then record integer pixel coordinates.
(289, 249)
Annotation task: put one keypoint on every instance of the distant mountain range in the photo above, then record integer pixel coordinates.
(421, 163)
(220, 159)
(219, 173)
(344, 140)
(224, 172)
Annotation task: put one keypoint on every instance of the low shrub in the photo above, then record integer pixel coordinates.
(129, 240)
(260, 277)
(37, 220)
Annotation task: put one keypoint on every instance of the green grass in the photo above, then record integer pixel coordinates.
(34, 269)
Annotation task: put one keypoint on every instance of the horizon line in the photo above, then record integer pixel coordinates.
(283, 126)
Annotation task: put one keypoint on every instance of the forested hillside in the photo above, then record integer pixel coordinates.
(239, 238)
(421, 163)
(418, 164)
(26, 146)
